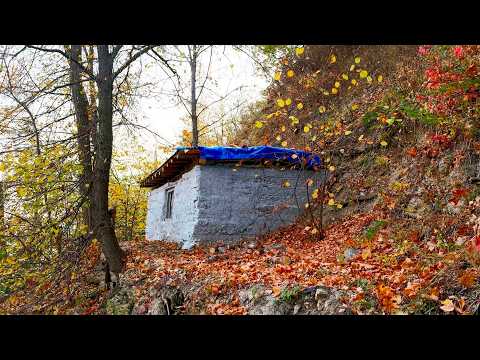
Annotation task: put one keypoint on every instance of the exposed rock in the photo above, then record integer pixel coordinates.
(214, 258)
(314, 300)
(350, 253)
(296, 309)
(121, 303)
(444, 165)
(453, 209)
(416, 208)
(165, 301)
(279, 247)
(321, 293)
(365, 197)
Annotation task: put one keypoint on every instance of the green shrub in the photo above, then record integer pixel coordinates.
(374, 228)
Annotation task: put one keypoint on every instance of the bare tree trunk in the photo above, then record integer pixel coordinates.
(84, 129)
(103, 157)
(193, 70)
(93, 97)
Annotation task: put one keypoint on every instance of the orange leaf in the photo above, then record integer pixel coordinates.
(411, 289)
(276, 291)
(434, 293)
(468, 278)
(412, 152)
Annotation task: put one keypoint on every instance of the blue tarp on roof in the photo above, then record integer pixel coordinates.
(256, 152)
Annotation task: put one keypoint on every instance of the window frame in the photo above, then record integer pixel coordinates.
(169, 194)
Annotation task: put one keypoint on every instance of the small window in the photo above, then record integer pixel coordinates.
(169, 203)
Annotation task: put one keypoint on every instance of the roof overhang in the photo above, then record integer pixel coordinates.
(180, 162)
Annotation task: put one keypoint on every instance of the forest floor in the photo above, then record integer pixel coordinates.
(373, 273)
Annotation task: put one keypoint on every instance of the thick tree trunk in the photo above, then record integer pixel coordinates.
(84, 129)
(103, 157)
(193, 70)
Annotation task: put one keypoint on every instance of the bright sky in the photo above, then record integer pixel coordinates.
(159, 113)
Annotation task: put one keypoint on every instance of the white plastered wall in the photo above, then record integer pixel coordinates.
(179, 228)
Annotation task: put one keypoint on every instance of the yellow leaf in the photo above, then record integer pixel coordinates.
(348, 132)
(339, 206)
(283, 128)
(354, 106)
(258, 124)
(363, 74)
(277, 75)
(334, 90)
(331, 202)
(383, 143)
(286, 184)
(306, 129)
(278, 138)
(331, 168)
(354, 82)
(288, 101)
(380, 78)
(333, 59)
(299, 51)
(327, 160)
(290, 73)
(284, 143)
(21, 191)
(337, 84)
(321, 109)
(447, 305)
(369, 79)
(315, 194)
(366, 253)
(357, 60)
(344, 76)
(280, 103)
(299, 106)
(294, 119)
(352, 67)
(326, 93)
(360, 138)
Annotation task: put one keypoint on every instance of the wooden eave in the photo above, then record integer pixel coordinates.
(179, 163)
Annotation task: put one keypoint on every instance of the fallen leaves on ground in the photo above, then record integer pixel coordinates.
(294, 256)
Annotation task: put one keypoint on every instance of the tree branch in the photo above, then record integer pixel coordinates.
(132, 59)
(65, 55)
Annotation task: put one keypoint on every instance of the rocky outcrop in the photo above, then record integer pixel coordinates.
(315, 300)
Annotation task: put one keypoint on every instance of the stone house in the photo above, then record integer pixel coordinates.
(211, 194)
